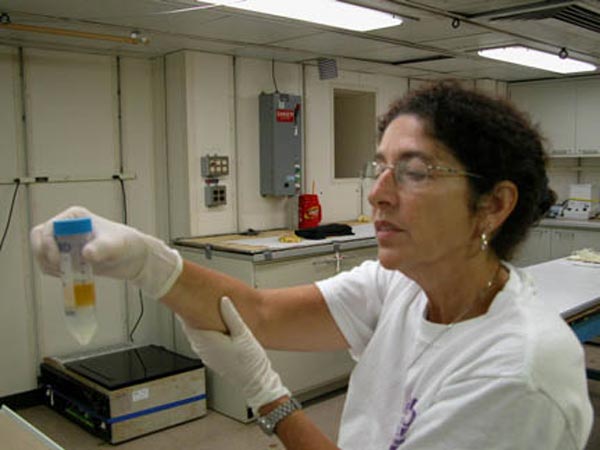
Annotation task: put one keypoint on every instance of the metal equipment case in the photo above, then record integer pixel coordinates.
(280, 144)
(124, 394)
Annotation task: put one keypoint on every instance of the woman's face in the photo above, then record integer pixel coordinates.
(420, 221)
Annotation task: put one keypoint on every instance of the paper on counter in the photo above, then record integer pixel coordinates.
(363, 231)
(587, 255)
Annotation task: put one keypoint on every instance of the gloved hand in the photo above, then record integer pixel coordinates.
(115, 251)
(238, 357)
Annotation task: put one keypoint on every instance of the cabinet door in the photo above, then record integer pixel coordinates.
(586, 239)
(308, 374)
(587, 118)
(298, 271)
(535, 249)
(552, 106)
(561, 243)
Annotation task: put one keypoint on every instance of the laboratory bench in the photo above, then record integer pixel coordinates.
(573, 289)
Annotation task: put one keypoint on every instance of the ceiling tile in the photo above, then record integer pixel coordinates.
(473, 42)
(398, 53)
(278, 54)
(330, 43)
(474, 6)
(452, 65)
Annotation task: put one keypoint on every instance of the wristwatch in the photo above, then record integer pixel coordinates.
(269, 421)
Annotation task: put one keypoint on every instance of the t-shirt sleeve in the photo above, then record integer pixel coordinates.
(355, 302)
(489, 413)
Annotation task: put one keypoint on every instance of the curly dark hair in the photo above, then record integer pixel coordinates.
(490, 137)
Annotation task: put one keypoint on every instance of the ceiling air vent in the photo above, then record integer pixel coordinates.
(571, 14)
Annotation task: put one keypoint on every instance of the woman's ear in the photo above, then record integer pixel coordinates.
(497, 205)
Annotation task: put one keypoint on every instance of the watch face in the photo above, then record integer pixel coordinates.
(265, 424)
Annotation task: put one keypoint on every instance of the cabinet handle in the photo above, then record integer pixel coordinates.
(335, 259)
(324, 262)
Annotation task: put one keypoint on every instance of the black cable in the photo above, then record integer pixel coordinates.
(10, 212)
(139, 317)
(124, 200)
(273, 75)
(125, 219)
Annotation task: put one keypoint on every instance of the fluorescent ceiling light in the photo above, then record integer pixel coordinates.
(324, 12)
(534, 58)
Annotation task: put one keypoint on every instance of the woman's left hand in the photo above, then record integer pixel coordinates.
(238, 357)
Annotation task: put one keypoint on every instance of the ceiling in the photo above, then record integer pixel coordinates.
(438, 39)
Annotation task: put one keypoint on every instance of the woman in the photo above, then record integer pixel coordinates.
(453, 348)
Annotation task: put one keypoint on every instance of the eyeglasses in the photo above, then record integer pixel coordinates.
(415, 173)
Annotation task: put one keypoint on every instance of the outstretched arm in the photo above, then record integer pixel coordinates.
(289, 319)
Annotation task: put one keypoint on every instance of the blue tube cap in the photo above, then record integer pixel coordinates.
(66, 227)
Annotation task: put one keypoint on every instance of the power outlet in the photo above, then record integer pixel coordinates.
(215, 195)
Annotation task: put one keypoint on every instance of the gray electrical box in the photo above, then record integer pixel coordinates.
(214, 166)
(280, 144)
(215, 195)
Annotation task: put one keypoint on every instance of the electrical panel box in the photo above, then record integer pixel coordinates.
(215, 195)
(214, 166)
(280, 144)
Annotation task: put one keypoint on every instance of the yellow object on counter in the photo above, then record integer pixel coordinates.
(363, 219)
(290, 239)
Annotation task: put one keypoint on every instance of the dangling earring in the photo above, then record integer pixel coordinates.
(484, 242)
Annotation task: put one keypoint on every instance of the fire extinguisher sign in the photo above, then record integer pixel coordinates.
(284, 115)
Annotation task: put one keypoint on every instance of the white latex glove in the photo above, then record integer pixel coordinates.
(238, 357)
(115, 251)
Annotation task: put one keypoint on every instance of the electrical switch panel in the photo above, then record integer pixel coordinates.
(280, 144)
(214, 166)
(215, 195)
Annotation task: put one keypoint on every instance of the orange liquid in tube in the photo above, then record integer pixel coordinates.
(85, 294)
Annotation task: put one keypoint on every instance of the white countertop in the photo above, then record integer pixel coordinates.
(569, 286)
(570, 223)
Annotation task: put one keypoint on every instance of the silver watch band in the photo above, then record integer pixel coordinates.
(269, 421)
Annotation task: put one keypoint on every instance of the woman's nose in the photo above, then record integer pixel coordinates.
(384, 189)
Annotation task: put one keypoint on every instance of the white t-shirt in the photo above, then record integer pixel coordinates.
(513, 378)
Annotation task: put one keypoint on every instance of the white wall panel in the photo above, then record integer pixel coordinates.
(138, 105)
(210, 123)
(340, 198)
(254, 76)
(200, 121)
(17, 331)
(71, 102)
(177, 145)
(72, 131)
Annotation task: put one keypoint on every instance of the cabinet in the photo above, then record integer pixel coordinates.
(566, 112)
(547, 243)
(587, 118)
(306, 374)
(535, 249)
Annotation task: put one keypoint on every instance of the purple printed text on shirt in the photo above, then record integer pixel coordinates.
(408, 416)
